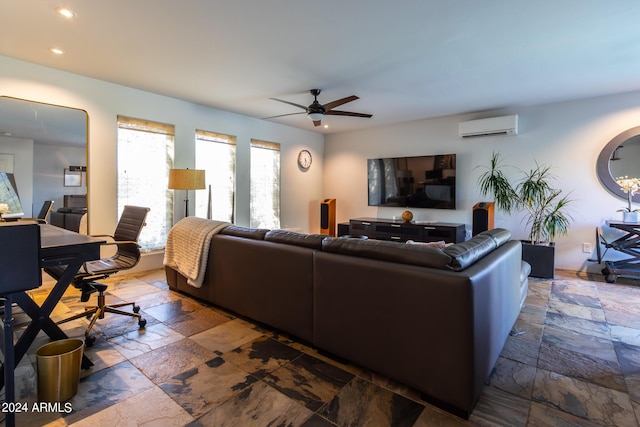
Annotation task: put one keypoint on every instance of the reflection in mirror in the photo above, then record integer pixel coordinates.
(37, 143)
(624, 159)
(9, 197)
(620, 158)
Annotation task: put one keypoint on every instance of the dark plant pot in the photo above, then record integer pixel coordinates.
(542, 259)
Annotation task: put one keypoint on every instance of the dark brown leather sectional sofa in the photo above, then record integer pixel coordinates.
(435, 320)
(72, 215)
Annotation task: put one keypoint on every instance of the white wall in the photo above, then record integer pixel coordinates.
(568, 136)
(300, 193)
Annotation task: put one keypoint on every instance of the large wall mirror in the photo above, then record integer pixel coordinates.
(38, 143)
(619, 158)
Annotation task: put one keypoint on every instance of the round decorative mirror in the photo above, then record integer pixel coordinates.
(619, 158)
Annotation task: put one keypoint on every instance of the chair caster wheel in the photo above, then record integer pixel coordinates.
(136, 308)
(88, 341)
(142, 323)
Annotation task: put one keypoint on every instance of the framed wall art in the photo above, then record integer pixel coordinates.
(72, 178)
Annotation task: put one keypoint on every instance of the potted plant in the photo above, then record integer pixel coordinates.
(631, 187)
(544, 206)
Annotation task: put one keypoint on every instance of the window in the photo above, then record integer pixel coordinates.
(145, 155)
(216, 154)
(265, 184)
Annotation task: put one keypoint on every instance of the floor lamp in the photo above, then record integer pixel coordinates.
(186, 179)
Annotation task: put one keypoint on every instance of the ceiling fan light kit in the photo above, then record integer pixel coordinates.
(317, 111)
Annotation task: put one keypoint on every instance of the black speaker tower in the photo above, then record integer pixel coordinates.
(328, 217)
(482, 217)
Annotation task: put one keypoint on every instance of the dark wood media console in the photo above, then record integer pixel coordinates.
(400, 231)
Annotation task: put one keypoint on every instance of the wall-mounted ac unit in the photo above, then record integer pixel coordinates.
(505, 125)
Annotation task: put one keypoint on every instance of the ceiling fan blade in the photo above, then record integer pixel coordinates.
(290, 103)
(282, 115)
(316, 122)
(339, 102)
(347, 113)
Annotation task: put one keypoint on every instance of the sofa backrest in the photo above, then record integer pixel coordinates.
(454, 257)
(248, 233)
(423, 256)
(312, 241)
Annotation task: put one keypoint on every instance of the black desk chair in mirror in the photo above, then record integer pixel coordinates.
(47, 206)
(127, 255)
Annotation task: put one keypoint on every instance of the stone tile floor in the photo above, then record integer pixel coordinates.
(573, 359)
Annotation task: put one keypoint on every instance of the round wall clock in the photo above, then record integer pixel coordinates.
(304, 159)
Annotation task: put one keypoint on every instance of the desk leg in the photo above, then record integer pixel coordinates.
(40, 319)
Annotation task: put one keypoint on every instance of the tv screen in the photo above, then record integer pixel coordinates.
(413, 182)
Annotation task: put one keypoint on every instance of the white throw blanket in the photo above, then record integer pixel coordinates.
(187, 248)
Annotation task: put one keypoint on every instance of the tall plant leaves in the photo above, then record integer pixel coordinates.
(546, 210)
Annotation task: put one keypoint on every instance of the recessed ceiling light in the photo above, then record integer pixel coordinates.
(67, 13)
(56, 50)
(326, 126)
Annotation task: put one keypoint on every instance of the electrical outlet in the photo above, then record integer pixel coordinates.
(587, 248)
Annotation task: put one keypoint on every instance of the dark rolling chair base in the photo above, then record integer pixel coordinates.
(98, 311)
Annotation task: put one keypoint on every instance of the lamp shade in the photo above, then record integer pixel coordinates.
(186, 179)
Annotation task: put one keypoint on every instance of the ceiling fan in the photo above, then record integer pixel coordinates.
(317, 111)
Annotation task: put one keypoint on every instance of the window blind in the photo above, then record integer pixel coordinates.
(145, 152)
(216, 154)
(265, 184)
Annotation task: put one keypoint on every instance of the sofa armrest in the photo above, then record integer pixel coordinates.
(466, 253)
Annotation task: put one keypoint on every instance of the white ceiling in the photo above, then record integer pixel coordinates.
(405, 59)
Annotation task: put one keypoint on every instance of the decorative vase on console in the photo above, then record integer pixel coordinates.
(631, 187)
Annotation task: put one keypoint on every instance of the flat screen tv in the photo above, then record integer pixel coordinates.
(413, 182)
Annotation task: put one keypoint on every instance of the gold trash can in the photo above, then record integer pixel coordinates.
(59, 364)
